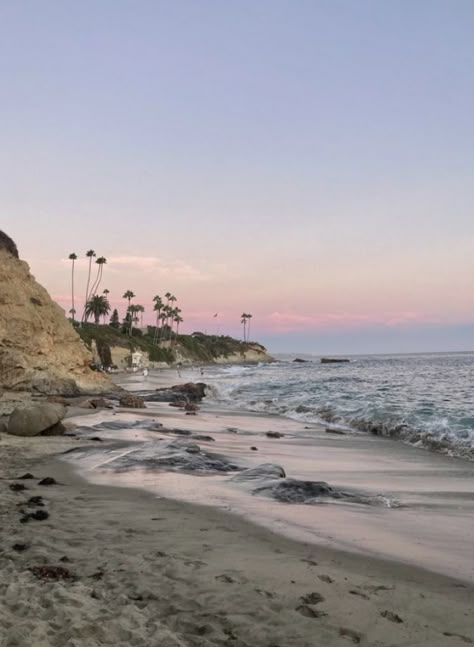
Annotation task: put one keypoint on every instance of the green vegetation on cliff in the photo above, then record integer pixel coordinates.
(196, 348)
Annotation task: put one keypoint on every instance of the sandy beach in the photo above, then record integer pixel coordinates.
(135, 569)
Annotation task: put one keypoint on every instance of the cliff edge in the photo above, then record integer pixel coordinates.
(39, 349)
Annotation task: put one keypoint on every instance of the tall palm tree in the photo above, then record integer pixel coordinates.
(101, 261)
(98, 306)
(157, 308)
(141, 310)
(249, 316)
(243, 321)
(73, 258)
(129, 295)
(90, 254)
(177, 319)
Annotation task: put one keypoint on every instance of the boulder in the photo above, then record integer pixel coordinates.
(35, 419)
(131, 401)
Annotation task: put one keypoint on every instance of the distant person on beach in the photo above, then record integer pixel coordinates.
(145, 372)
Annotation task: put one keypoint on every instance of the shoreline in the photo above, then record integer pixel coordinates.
(159, 572)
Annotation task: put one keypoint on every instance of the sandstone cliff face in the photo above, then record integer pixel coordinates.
(39, 349)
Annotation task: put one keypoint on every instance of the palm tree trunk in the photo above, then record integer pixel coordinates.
(87, 288)
(72, 291)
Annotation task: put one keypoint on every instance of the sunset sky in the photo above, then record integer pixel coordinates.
(307, 161)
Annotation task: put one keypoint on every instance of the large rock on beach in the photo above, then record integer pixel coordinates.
(131, 401)
(39, 349)
(37, 419)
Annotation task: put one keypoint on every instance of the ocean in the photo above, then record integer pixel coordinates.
(426, 400)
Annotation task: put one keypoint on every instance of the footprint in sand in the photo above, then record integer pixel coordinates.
(312, 598)
(225, 578)
(326, 578)
(359, 593)
(266, 594)
(465, 639)
(311, 562)
(355, 636)
(310, 612)
(389, 615)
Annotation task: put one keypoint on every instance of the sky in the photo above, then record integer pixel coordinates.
(310, 162)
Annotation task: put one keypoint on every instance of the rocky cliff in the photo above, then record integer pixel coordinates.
(39, 349)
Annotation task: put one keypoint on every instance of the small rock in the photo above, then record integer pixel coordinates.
(48, 480)
(35, 500)
(17, 487)
(20, 548)
(254, 449)
(274, 434)
(26, 476)
(335, 431)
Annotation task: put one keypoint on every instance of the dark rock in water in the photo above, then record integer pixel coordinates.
(295, 491)
(96, 439)
(203, 438)
(301, 408)
(261, 472)
(35, 419)
(26, 476)
(37, 515)
(335, 431)
(300, 361)
(176, 455)
(333, 360)
(193, 392)
(48, 480)
(131, 401)
(17, 487)
(35, 501)
(254, 449)
(274, 434)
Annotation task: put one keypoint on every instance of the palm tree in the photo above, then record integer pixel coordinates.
(129, 295)
(177, 319)
(157, 308)
(90, 254)
(106, 292)
(141, 310)
(243, 321)
(98, 306)
(133, 310)
(72, 257)
(248, 326)
(101, 261)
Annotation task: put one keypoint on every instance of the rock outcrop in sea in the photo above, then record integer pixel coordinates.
(39, 349)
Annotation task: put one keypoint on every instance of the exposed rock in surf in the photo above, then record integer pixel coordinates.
(300, 361)
(334, 360)
(176, 455)
(35, 419)
(274, 434)
(335, 431)
(261, 472)
(295, 491)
